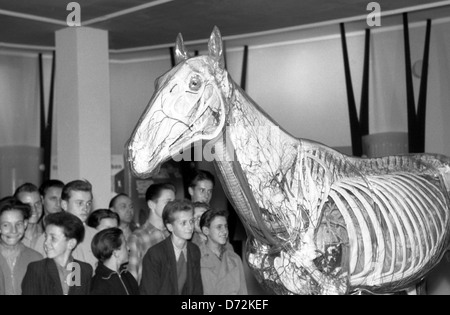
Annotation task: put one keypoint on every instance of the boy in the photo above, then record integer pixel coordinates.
(201, 187)
(221, 268)
(153, 231)
(76, 199)
(198, 237)
(59, 273)
(29, 194)
(14, 256)
(172, 267)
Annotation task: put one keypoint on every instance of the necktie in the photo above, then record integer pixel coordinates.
(181, 272)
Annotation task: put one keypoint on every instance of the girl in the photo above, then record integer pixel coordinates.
(102, 219)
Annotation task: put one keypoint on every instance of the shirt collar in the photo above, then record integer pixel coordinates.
(178, 250)
(207, 251)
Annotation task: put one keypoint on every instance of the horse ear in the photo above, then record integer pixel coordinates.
(180, 51)
(215, 46)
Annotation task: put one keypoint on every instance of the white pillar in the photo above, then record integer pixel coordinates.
(82, 109)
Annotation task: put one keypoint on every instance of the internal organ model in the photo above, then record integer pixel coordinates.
(318, 221)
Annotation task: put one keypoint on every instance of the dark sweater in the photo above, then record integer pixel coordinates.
(42, 278)
(109, 282)
(159, 270)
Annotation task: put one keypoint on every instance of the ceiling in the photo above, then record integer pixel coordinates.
(134, 24)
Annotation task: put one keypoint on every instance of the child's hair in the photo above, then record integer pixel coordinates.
(203, 205)
(210, 215)
(97, 216)
(175, 206)
(201, 175)
(49, 184)
(154, 191)
(76, 185)
(11, 203)
(72, 226)
(112, 203)
(26, 188)
(106, 242)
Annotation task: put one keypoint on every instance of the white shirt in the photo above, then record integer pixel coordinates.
(178, 251)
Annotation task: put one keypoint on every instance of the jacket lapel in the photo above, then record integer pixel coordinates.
(172, 268)
(54, 283)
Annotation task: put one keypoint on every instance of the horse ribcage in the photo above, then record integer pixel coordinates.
(396, 225)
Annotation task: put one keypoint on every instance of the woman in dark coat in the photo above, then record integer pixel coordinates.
(111, 277)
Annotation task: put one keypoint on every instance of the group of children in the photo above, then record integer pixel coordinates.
(182, 248)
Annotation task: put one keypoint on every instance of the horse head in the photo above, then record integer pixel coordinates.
(188, 105)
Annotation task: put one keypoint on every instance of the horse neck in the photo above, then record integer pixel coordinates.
(245, 115)
(243, 121)
(250, 128)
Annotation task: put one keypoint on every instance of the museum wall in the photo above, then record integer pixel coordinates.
(299, 83)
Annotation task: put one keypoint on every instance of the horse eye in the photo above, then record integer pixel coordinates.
(195, 83)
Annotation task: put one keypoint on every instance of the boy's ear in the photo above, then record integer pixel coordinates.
(151, 204)
(64, 205)
(205, 230)
(72, 244)
(191, 191)
(25, 223)
(169, 227)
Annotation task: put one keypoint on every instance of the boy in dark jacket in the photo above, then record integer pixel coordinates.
(111, 278)
(172, 267)
(59, 273)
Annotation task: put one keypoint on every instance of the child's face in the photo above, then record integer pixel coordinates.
(79, 204)
(56, 243)
(198, 211)
(107, 223)
(217, 231)
(183, 225)
(202, 192)
(12, 227)
(33, 199)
